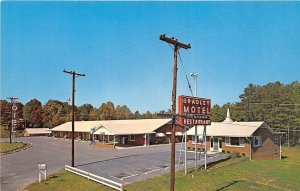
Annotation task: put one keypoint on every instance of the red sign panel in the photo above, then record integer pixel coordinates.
(194, 110)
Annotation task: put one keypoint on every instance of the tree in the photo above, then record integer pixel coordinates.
(238, 112)
(216, 114)
(33, 113)
(123, 112)
(5, 113)
(84, 112)
(275, 103)
(107, 111)
(94, 115)
(137, 115)
(57, 112)
(148, 115)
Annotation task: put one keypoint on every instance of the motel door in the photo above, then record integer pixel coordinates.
(147, 139)
(216, 144)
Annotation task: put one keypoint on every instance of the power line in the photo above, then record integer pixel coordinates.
(150, 41)
(196, 23)
(187, 79)
(240, 30)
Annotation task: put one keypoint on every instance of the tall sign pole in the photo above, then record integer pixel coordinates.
(74, 74)
(13, 101)
(194, 75)
(177, 45)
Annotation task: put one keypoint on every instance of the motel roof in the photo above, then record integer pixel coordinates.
(32, 131)
(228, 128)
(234, 129)
(115, 127)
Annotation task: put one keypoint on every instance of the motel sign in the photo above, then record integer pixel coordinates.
(196, 111)
(14, 118)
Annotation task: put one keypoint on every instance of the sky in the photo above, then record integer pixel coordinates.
(116, 45)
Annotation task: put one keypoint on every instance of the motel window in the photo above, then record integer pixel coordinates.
(257, 141)
(234, 141)
(193, 139)
(227, 140)
(132, 137)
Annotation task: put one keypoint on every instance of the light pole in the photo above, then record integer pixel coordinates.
(194, 76)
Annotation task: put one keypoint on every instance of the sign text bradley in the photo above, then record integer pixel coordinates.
(198, 108)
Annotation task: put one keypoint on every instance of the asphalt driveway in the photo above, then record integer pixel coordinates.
(125, 165)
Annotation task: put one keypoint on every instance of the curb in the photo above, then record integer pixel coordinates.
(29, 145)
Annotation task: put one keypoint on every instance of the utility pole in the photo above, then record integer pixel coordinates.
(12, 100)
(177, 45)
(74, 74)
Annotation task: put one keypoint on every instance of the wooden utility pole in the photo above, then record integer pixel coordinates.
(177, 45)
(74, 74)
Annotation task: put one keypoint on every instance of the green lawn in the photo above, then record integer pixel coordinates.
(66, 181)
(233, 174)
(7, 147)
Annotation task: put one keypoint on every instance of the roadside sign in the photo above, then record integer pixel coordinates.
(94, 129)
(195, 110)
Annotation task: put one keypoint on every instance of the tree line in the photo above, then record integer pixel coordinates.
(54, 113)
(275, 103)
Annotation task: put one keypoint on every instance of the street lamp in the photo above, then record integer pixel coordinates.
(194, 75)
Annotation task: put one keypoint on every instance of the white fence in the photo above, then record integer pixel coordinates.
(90, 176)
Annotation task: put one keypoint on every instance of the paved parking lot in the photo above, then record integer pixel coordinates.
(136, 167)
(124, 165)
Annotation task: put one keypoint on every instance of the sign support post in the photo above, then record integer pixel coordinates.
(196, 141)
(185, 147)
(205, 151)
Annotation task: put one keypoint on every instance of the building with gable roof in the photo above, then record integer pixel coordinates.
(253, 139)
(137, 132)
(29, 132)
